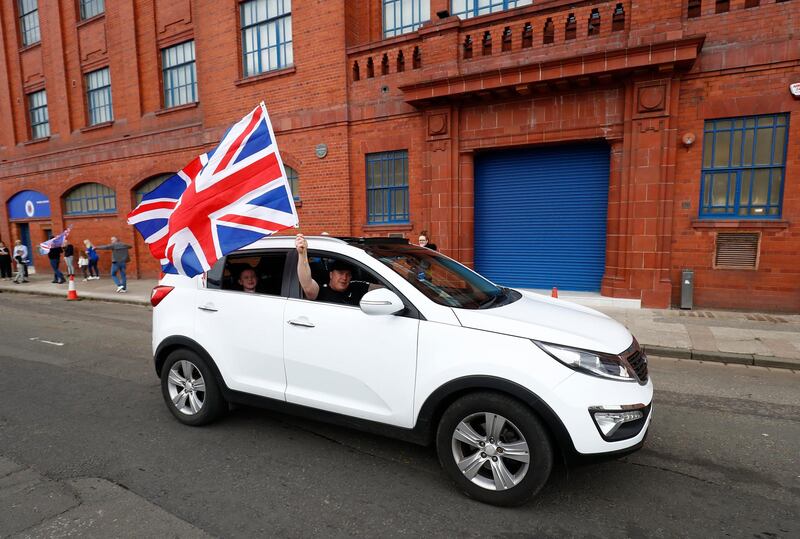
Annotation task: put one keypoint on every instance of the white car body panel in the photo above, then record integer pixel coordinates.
(249, 353)
(553, 321)
(343, 363)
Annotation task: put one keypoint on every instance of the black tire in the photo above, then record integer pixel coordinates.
(523, 421)
(213, 405)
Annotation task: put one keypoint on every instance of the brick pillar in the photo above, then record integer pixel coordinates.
(645, 210)
(441, 181)
(612, 277)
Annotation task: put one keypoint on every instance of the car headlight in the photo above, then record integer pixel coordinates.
(595, 363)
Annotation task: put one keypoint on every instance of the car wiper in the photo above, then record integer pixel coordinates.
(491, 300)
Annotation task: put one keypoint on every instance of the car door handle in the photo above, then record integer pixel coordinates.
(301, 322)
(208, 307)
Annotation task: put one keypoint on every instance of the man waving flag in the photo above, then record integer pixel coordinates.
(55, 241)
(220, 202)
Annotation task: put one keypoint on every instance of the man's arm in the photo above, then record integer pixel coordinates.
(106, 247)
(309, 285)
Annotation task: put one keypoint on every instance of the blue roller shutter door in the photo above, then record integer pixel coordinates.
(540, 216)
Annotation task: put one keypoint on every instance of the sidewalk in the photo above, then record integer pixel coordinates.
(766, 340)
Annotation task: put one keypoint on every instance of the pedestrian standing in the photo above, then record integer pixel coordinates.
(69, 257)
(5, 262)
(54, 255)
(21, 258)
(425, 240)
(91, 254)
(83, 264)
(119, 259)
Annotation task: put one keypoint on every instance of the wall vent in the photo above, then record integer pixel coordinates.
(737, 250)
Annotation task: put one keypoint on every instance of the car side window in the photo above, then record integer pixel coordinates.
(259, 273)
(360, 282)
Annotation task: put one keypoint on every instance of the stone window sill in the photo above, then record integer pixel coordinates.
(265, 76)
(36, 141)
(96, 126)
(401, 227)
(177, 108)
(740, 223)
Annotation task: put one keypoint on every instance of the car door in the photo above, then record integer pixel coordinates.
(341, 360)
(243, 332)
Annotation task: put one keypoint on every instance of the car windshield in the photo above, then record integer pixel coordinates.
(441, 279)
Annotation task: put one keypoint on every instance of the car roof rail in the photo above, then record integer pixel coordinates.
(372, 240)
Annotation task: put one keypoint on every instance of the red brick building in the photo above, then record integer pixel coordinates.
(592, 145)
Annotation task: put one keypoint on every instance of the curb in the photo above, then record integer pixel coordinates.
(723, 357)
(88, 296)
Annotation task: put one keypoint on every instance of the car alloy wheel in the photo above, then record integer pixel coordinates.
(187, 388)
(490, 451)
(190, 389)
(494, 447)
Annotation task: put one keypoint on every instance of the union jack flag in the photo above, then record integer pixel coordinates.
(55, 241)
(220, 202)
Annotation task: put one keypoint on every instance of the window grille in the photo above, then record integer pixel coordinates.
(98, 96)
(179, 75)
(90, 198)
(467, 9)
(387, 187)
(29, 21)
(40, 120)
(294, 181)
(743, 167)
(92, 8)
(266, 35)
(404, 16)
(736, 250)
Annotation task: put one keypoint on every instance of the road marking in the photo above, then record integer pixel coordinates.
(46, 342)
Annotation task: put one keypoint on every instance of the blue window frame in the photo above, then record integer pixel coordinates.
(98, 96)
(40, 120)
(90, 198)
(387, 187)
(91, 8)
(474, 8)
(29, 21)
(744, 162)
(179, 75)
(404, 16)
(266, 35)
(294, 181)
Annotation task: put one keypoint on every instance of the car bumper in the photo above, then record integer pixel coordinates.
(580, 397)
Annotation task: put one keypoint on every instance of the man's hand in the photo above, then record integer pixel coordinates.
(301, 245)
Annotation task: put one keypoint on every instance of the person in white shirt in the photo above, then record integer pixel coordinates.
(21, 258)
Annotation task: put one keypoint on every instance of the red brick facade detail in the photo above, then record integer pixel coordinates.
(644, 81)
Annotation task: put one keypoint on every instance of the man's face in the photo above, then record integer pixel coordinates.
(423, 241)
(248, 280)
(113, 239)
(340, 280)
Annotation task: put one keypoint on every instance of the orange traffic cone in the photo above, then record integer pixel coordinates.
(554, 293)
(72, 294)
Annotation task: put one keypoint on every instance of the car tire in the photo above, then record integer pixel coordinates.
(190, 389)
(504, 465)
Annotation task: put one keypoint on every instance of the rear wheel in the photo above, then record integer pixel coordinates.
(190, 390)
(494, 448)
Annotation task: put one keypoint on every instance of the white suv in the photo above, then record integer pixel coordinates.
(500, 380)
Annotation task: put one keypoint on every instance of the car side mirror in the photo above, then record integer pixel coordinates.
(381, 301)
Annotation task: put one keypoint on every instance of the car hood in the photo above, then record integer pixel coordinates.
(552, 320)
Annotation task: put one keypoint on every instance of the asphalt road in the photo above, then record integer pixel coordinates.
(722, 458)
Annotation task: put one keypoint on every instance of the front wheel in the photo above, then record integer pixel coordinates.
(190, 390)
(494, 448)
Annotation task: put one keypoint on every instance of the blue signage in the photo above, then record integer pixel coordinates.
(28, 205)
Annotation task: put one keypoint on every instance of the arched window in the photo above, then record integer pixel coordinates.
(294, 181)
(90, 198)
(149, 185)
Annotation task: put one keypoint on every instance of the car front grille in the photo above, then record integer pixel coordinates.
(638, 360)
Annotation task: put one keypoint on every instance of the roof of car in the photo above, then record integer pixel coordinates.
(271, 241)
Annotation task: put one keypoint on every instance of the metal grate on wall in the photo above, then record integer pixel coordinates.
(737, 250)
